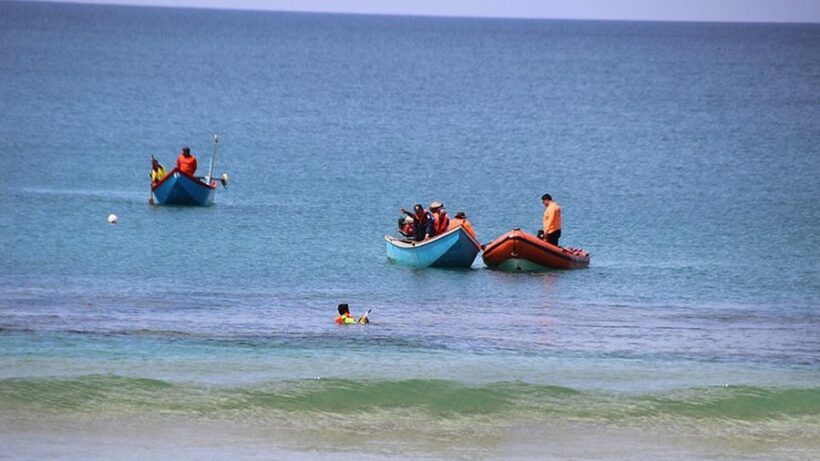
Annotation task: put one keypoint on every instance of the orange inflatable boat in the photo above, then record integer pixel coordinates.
(519, 251)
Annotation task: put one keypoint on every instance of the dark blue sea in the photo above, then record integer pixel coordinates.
(684, 155)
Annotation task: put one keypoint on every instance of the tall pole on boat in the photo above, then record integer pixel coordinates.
(211, 165)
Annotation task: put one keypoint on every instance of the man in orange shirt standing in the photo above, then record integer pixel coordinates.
(186, 162)
(552, 220)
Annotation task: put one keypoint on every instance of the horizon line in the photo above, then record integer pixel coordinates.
(241, 8)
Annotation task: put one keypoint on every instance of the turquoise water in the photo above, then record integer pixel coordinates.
(684, 157)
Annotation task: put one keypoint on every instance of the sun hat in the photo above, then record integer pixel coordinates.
(436, 205)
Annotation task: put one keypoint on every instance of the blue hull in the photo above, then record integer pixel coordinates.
(454, 248)
(180, 189)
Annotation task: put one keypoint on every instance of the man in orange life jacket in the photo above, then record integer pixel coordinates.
(552, 220)
(461, 220)
(186, 162)
(441, 222)
(422, 223)
(345, 318)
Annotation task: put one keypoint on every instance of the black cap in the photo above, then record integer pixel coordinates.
(418, 207)
(546, 197)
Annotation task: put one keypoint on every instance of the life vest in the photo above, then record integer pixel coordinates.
(407, 229)
(345, 319)
(422, 220)
(423, 225)
(186, 165)
(440, 224)
(455, 222)
(158, 174)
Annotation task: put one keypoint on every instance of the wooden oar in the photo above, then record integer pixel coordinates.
(151, 183)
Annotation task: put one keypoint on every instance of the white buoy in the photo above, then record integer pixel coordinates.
(112, 219)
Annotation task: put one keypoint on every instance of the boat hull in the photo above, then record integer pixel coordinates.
(454, 248)
(518, 251)
(178, 188)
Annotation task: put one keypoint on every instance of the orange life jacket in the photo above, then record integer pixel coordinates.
(343, 319)
(455, 222)
(440, 223)
(186, 165)
(407, 229)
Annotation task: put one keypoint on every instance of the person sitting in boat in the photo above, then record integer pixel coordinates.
(441, 222)
(552, 220)
(422, 223)
(345, 318)
(186, 162)
(157, 171)
(406, 228)
(461, 220)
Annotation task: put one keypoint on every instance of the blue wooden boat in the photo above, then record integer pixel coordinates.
(454, 248)
(178, 188)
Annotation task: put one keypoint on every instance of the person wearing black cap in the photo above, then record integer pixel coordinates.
(186, 162)
(552, 220)
(422, 223)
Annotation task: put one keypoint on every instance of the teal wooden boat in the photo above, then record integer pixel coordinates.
(454, 248)
(178, 188)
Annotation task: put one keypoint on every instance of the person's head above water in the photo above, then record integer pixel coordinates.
(343, 309)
